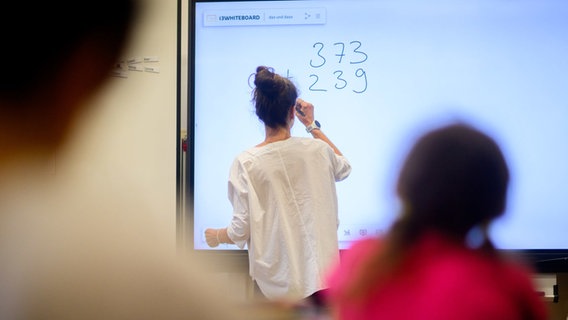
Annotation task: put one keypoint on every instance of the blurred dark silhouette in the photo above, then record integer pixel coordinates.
(437, 261)
(68, 250)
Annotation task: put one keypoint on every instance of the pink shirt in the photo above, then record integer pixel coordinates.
(440, 280)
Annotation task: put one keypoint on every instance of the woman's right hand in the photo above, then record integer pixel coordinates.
(308, 112)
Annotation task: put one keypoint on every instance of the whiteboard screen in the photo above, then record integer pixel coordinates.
(380, 73)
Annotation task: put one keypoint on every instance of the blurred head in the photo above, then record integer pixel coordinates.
(56, 54)
(453, 179)
(273, 96)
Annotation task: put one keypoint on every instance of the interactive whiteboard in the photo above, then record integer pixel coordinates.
(380, 73)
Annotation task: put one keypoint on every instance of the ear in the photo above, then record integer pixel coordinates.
(292, 112)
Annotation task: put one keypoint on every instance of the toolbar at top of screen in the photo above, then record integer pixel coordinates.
(264, 17)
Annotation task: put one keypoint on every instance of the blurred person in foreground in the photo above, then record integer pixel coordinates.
(92, 253)
(437, 260)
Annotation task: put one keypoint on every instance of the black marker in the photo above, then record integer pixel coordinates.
(299, 110)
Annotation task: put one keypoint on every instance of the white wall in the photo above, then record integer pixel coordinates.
(129, 133)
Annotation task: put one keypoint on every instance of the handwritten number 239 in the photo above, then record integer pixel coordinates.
(340, 82)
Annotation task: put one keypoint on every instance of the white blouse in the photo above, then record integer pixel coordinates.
(285, 209)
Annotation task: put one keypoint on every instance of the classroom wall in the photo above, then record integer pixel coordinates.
(128, 133)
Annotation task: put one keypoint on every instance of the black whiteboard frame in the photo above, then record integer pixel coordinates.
(228, 260)
(542, 260)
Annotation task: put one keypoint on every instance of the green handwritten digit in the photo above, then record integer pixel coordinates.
(318, 44)
(312, 86)
(342, 54)
(360, 73)
(357, 51)
(338, 75)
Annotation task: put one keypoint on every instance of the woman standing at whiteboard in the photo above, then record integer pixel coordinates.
(284, 196)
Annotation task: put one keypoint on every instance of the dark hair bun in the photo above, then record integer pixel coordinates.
(266, 81)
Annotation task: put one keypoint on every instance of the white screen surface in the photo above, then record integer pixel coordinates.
(380, 73)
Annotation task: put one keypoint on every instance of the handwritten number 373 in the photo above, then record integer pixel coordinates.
(357, 55)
